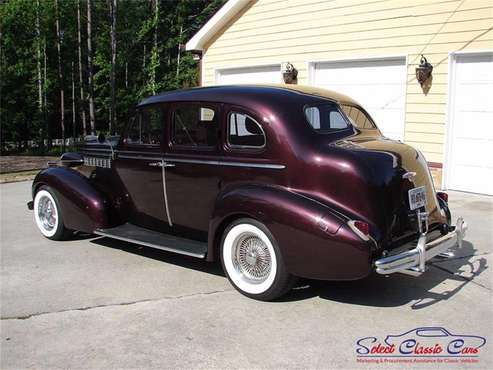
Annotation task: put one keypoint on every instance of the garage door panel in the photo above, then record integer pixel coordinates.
(250, 75)
(388, 122)
(467, 179)
(379, 85)
(474, 125)
(374, 96)
(474, 97)
(470, 159)
(474, 68)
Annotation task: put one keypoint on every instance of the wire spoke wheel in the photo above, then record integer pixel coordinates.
(47, 213)
(253, 262)
(251, 258)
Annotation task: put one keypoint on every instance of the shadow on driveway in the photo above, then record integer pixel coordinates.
(375, 290)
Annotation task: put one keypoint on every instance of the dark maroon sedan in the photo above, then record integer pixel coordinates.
(277, 182)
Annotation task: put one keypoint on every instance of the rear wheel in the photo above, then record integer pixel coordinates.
(48, 215)
(253, 262)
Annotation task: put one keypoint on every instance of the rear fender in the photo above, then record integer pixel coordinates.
(315, 241)
(83, 207)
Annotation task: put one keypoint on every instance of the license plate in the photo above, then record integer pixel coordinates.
(417, 197)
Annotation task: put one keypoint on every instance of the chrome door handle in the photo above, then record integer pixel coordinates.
(156, 164)
(168, 164)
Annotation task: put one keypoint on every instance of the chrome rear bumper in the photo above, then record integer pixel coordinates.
(412, 262)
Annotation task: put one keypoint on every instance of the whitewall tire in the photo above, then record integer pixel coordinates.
(252, 260)
(48, 215)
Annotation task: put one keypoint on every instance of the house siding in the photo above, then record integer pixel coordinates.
(273, 31)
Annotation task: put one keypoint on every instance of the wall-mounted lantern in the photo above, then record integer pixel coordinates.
(196, 55)
(423, 71)
(289, 73)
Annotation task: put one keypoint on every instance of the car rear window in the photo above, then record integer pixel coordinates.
(326, 117)
(357, 116)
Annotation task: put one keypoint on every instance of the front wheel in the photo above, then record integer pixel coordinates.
(253, 262)
(48, 215)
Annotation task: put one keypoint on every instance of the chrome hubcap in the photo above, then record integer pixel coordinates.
(47, 213)
(251, 258)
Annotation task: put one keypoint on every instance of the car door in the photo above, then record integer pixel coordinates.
(193, 178)
(139, 166)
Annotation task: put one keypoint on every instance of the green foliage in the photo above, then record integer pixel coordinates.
(138, 73)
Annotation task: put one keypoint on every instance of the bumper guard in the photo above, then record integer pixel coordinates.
(412, 262)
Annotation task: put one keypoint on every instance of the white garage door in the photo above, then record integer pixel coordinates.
(249, 75)
(378, 85)
(470, 150)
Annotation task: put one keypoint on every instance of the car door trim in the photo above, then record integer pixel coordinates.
(165, 192)
(209, 162)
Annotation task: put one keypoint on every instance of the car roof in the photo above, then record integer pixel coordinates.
(235, 94)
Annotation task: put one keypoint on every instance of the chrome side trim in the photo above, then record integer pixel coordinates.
(225, 163)
(108, 235)
(209, 162)
(96, 149)
(140, 157)
(165, 193)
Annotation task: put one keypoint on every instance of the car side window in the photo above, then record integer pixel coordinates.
(357, 116)
(244, 131)
(325, 117)
(146, 127)
(194, 125)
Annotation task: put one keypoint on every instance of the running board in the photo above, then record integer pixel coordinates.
(138, 235)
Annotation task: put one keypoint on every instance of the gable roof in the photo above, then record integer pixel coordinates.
(218, 21)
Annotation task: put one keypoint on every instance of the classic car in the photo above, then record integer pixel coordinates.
(275, 181)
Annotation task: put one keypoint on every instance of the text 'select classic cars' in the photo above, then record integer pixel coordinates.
(277, 182)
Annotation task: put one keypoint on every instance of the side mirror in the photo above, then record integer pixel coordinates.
(101, 138)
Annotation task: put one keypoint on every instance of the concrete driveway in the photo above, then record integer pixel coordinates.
(98, 303)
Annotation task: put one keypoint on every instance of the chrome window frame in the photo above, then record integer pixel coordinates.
(236, 146)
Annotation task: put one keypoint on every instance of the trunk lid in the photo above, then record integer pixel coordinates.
(410, 171)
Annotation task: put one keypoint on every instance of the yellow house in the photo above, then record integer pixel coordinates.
(369, 50)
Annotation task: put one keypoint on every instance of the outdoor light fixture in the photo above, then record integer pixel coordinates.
(196, 55)
(423, 71)
(289, 74)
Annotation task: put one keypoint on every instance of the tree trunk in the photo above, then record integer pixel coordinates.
(74, 131)
(179, 50)
(144, 59)
(60, 73)
(126, 75)
(45, 99)
(90, 76)
(81, 79)
(38, 58)
(154, 52)
(113, 5)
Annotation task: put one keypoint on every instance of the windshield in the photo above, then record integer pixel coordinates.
(326, 117)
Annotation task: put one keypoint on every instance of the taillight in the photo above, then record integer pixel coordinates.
(361, 228)
(443, 196)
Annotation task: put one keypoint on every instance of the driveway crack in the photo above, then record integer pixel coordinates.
(129, 303)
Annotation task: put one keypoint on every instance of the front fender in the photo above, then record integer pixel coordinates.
(83, 207)
(315, 241)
